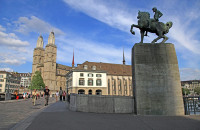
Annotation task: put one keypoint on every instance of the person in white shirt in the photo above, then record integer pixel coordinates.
(57, 94)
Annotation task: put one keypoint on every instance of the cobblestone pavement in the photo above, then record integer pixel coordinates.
(14, 111)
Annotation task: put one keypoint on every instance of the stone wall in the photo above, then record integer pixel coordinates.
(101, 103)
(156, 80)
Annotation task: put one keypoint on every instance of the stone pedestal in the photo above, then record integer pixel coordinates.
(156, 80)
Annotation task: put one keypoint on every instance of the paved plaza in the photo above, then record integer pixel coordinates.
(15, 111)
(22, 115)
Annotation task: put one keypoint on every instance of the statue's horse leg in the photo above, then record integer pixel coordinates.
(131, 30)
(155, 40)
(159, 37)
(142, 35)
(165, 38)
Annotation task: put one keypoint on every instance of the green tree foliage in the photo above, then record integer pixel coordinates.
(197, 90)
(185, 91)
(37, 81)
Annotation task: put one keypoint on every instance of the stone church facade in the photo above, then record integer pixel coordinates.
(44, 60)
(116, 78)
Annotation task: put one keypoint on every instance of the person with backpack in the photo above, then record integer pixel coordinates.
(61, 93)
(46, 94)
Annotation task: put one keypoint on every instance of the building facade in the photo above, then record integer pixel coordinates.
(44, 60)
(116, 79)
(90, 82)
(9, 82)
(191, 85)
(25, 79)
(100, 79)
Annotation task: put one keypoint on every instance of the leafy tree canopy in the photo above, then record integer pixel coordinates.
(37, 81)
(197, 90)
(185, 91)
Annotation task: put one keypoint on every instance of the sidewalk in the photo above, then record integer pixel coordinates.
(58, 117)
(14, 111)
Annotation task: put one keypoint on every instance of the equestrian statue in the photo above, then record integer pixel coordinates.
(145, 24)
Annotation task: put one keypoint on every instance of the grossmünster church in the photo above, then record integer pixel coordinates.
(88, 77)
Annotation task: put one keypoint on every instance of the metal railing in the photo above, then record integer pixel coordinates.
(192, 105)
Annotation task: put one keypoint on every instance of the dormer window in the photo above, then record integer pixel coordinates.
(90, 75)
(94, 67)
(85, 67)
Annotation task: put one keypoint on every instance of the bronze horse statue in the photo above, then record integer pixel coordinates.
(145, 24)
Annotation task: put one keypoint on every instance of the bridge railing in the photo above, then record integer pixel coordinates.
(192, 105)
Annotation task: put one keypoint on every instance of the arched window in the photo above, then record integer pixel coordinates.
(81, 91)
(125, 86)
(98, 92)
(119, 87)
(90, 92)
(108, 86)
(114, 86)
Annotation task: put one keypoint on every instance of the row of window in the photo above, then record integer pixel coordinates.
(82, 91)
(86, 67)
(119, 87)
(10, 90)
(90, 75)
(90, 82)
(1, 76)
(11, 86)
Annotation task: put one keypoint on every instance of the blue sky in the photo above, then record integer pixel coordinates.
(97, 30)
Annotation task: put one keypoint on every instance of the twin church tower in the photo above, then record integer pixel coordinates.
(44, 60)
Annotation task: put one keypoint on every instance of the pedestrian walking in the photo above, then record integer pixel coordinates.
(64, 95)
(60, 93)
(57, 95)
(24, 95)
(34, 96)
(46, 94)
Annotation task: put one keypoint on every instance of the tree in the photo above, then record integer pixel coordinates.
(197, 90)
(185, 91)
(37, 81)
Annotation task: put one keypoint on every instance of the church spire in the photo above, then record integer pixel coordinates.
(40, 42)
(124, 62)
(51, 39)
(73, 59)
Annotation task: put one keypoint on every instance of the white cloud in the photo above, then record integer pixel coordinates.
(184, 35)
(189, 74)
(34, 24)
(90, 51)
(2, 28)
(10, 39)
(13, 58)
(113, 15)
(6, 69)
(13, 50)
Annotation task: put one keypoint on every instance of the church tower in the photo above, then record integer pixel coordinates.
(38, 56)
(50, 63)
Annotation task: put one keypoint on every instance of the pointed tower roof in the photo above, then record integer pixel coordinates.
(40, 42)
(51, 39)
(124, 62)
(73, 59)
